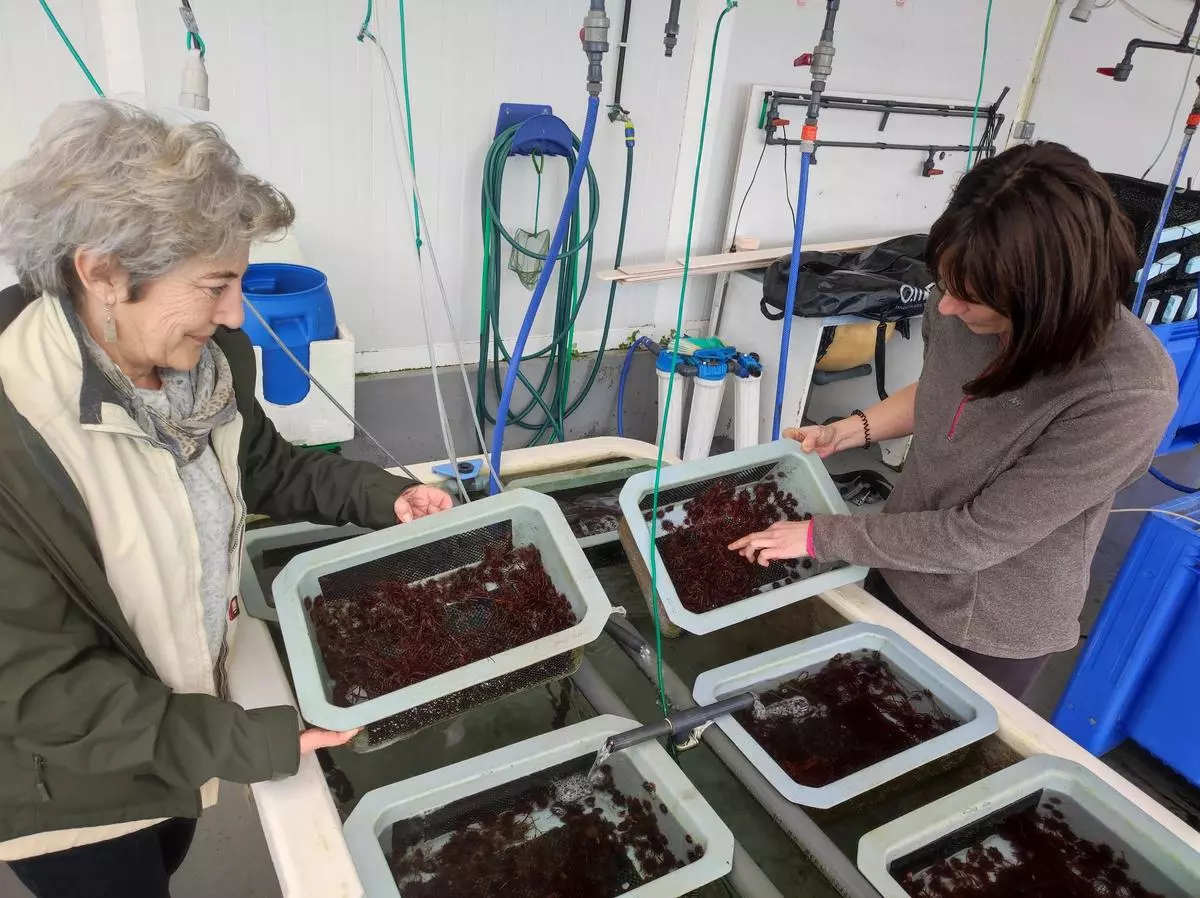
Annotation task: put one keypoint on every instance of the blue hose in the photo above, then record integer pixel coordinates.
(560, 234)
(1173, 484)
(789, 303)
(1162, 221)
(625, 366)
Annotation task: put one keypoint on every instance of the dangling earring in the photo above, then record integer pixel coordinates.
(110, 326)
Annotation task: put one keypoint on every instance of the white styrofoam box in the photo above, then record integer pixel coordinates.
(535, 519)
(797, 472)
(285, 536)
(1157, 858)
(314, 420)
(368, 829)
(765, 671)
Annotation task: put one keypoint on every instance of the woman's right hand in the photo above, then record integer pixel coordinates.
(312, 739)
(822, 439)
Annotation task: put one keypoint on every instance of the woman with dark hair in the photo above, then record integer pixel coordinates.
(1041, 397)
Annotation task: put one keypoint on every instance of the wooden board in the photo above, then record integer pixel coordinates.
(723, 262)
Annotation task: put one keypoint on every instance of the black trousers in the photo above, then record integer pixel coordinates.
(138, 865)
(1013, 675)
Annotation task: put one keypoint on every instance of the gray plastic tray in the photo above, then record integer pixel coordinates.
(284, 536)
(534, 519)
(368, 829)
(800, 474)
(760, 673)
(1157, 858)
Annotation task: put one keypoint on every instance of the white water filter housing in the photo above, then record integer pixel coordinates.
(746, 395)
(706, 406)
(671, 438)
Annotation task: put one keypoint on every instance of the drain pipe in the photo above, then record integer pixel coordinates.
(812, 840)
(746, 877)
(1123, 69)
(671, 30)
(1193, 120)
(820, 62)
(679, 725)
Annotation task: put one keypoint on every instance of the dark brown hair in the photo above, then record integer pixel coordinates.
(1036, 235)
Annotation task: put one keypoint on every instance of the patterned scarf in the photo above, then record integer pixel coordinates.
(203, 397)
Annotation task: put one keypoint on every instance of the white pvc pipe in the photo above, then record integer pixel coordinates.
(674, 432)
(746, 392)
(702, 423)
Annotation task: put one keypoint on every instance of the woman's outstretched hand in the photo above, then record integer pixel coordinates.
(312, 739)
(784, 539)
(419, 501)
(822, 439)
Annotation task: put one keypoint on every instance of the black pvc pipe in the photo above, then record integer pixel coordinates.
(679, 723)
(615, 109)
(814, 841)
(671, 29)
(1124, 68)
(747, 877)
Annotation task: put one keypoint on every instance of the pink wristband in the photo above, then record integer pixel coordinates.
(809, 546)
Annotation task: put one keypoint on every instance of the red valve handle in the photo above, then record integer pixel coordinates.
(802, 59)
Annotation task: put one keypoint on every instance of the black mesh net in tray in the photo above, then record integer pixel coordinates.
(676, 494)
(388, 624)
(1142, 201)
(550, 833)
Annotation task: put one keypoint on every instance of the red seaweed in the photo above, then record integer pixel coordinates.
(586, 855)
(706, 575)
(394, 633)
(1047, 860)
(865, 714)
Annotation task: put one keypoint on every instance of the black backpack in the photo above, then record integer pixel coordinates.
(887, 283)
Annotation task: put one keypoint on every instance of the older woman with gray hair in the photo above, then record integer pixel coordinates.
(131, 450)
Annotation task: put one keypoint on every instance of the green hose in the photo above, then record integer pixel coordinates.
(550, 402)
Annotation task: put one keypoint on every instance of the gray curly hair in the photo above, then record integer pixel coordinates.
(115, 179)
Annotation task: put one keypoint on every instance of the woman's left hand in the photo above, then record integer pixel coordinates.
(419, 501)
(784, 539)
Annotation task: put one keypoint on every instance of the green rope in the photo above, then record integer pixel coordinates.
(687, 260)
(412, 147)
(70, 46)
(987, 30)
(539, 162)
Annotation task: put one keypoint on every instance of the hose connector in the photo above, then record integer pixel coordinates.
(193, 93)
(594, 35)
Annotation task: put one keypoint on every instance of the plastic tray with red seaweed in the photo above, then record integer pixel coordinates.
(864, 714)
(394, 633)
(558, 837)
(1033, 853)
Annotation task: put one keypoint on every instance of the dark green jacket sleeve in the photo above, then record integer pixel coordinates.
(286, 481)
(87, 708)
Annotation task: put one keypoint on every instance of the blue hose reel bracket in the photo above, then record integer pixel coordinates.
(539, 131)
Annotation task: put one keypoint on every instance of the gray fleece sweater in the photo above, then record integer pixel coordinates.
(988, 537)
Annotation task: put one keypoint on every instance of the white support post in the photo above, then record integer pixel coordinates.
(122, 33)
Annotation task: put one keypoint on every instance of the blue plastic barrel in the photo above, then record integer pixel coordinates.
(296, 302)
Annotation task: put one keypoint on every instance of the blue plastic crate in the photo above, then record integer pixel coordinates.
(1182, 342)
(1137, 679)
